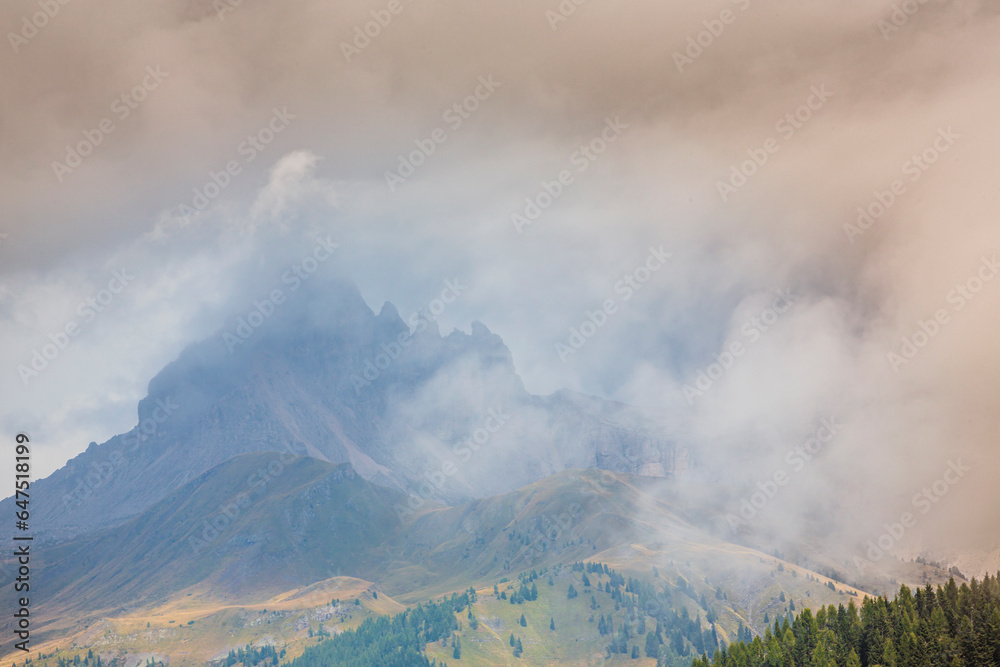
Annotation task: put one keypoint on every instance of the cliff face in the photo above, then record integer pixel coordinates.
(440, 418)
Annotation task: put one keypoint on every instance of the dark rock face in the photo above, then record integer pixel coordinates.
(443, 418)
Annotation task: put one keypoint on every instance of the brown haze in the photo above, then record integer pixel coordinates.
(655, 185)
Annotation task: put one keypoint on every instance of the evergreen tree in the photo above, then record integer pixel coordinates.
(552, 623)
(652, 645)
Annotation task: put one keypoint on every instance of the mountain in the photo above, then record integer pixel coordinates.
(325, 464)
(432, 416)
(238, 546)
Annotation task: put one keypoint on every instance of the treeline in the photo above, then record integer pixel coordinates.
(252, 656)
(89, 660)
(951, 626)
(390, 642)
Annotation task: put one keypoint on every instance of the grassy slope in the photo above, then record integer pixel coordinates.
(192, 629)
(576, 640)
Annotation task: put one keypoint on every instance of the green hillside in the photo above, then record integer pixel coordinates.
(576, 614)
(238, 540)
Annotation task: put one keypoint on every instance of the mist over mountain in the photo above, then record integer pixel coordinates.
(441, 418)
(363, 304)
(313, 445)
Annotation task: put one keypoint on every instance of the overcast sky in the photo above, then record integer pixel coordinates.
(114, 118)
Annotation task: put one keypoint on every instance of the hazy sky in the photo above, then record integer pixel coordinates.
(114, 117)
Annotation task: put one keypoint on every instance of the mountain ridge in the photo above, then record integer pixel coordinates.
(294, 385)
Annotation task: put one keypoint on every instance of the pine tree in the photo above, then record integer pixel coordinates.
(523, 621)
(552, 623)
(889, 653)
(652, 645)
(457, 653)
